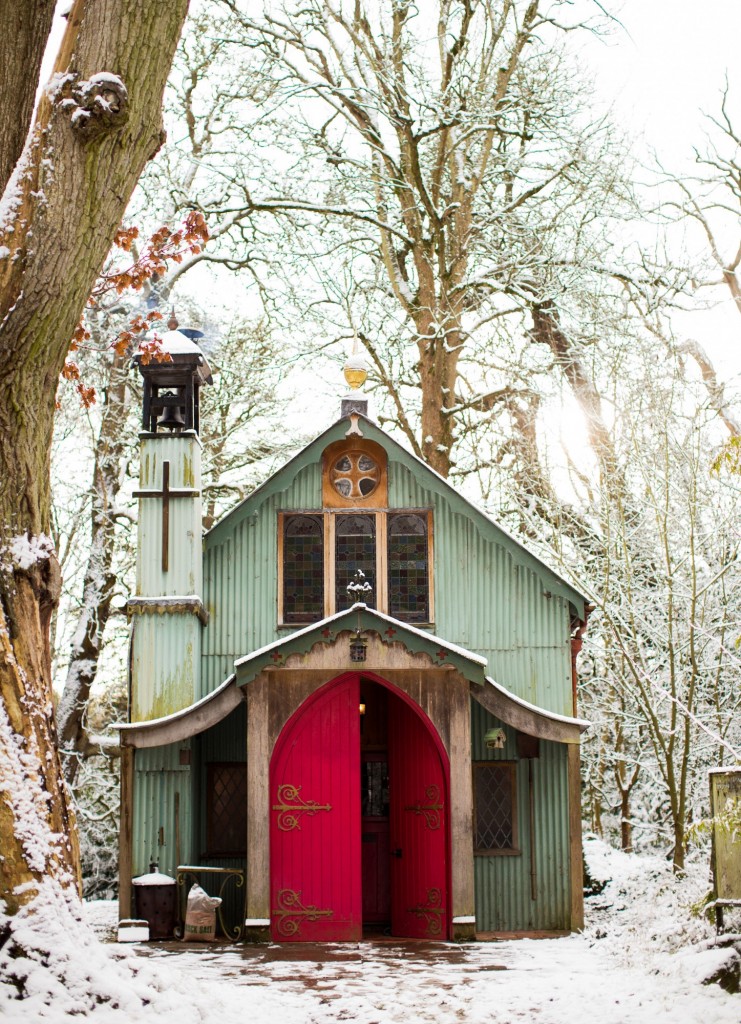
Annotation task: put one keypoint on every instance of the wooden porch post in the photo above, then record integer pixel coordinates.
(125, 834)
(461, 814)
(577, 870)
(257, 924)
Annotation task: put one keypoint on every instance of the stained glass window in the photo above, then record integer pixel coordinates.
(408, 568)
(355, 549)
(494, 803)
(303, 568)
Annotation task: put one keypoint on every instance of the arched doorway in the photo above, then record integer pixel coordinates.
(359, 832)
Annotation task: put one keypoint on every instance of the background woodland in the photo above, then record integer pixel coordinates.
(432, 184)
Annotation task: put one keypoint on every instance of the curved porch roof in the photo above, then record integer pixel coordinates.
(298, 645)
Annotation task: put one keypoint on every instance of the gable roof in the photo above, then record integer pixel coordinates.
(360, 616)
(430, 479)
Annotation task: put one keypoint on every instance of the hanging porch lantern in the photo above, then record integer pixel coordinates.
(358, 646)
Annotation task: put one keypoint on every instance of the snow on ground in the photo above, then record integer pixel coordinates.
(641, 960)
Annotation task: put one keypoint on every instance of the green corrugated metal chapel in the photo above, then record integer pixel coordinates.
(352, 701)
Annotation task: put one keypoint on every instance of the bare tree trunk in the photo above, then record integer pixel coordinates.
(111, 454)
(93, 134)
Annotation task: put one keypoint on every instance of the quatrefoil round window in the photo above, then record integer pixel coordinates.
(355, 475)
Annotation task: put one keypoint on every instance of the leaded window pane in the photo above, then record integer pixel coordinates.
(227, 808)
(303, 568)
(493, 790)
(408, 568)
(355, 549)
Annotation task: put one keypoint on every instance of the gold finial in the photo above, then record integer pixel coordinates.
(355, 369)
(172, 323)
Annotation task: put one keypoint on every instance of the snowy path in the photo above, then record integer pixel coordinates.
(557, 981)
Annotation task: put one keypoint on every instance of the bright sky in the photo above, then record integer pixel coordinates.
(668, 64)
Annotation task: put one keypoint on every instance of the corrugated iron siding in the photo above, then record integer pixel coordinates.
(159, 776)
(184, 573)
(241, 580)
(487, 598)
(492, 603)
(163, 654)
(166, 651)
(502, 883)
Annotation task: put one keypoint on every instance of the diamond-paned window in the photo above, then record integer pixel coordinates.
(494, 807)
(226, 831)
(303, 568)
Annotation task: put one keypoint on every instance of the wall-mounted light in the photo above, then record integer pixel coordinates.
(358, 646)
(361, 708)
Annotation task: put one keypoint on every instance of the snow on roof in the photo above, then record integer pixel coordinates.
(177, 343)
(582, 723)
(461, 652)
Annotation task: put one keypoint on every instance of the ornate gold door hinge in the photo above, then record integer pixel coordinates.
(292, 806)
(291, 913)
(431, 911)
(432, 810)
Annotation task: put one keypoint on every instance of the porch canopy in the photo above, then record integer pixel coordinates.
(395, 645)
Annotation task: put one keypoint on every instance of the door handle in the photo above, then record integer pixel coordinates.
(396, 853)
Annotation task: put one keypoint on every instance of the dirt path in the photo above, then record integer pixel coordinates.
(556, 981)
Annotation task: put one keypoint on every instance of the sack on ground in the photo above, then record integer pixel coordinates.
(200, 916)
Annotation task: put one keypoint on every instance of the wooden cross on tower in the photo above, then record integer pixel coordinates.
(166, 493)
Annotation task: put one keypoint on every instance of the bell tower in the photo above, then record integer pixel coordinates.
(167, 611)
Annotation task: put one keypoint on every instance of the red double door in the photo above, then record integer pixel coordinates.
(315, 822)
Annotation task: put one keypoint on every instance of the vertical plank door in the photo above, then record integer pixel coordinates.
(315, 885)
(418, 827)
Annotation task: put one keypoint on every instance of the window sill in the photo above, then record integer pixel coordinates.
(286, 626)
(497, 853)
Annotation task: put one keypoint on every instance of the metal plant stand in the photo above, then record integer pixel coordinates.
(194, 872)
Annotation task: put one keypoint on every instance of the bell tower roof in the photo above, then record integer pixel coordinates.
(172, 380)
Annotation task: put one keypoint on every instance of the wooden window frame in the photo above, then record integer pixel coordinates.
(378, 498)
(282, 516)
(427, 513)
(380, 598)
(514, 850)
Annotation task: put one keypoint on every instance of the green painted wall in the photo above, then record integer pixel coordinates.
(160, 783)
(502, 883)
(166, 643)
(491, 595)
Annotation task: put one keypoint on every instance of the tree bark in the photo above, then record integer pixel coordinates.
(26, 29)
(92, 136)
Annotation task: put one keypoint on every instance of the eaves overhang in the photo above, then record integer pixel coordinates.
(439, 654)
(187, 722)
